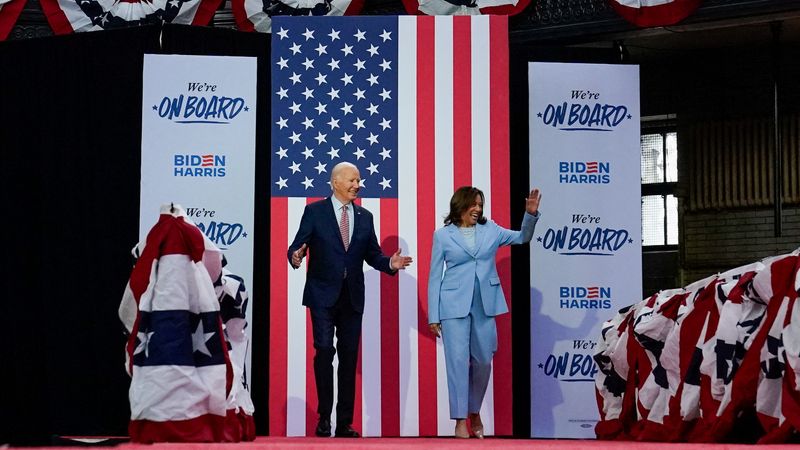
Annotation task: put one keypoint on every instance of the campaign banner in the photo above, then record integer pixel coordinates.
(586, 259)
(198, 151)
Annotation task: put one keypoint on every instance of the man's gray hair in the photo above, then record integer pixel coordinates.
(338, 168)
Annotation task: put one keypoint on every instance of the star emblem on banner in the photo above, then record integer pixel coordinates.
(144, 343)
(199, 339)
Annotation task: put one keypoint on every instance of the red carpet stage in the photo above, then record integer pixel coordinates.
(275, 443)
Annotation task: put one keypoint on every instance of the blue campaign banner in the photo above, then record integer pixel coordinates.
(586, 252)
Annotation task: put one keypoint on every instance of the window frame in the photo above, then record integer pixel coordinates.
(665, 188)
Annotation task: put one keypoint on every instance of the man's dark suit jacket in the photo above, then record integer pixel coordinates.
(328, 258)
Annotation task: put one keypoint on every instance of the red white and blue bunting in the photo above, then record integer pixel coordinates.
(699, 363)
(465, 7)
(9, 12)
(186, 350)
(68, 16)
(654, 13)
(256, 15)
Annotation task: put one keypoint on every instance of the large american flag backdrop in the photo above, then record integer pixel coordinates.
(420, 105)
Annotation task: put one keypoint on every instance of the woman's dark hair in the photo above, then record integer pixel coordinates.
(462, 200)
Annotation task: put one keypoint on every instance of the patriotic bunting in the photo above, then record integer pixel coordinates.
(233, 299)
(67, 16)
(465, 7)
(9, 12)
(654, 13)
(689, 364)
(256, 15)
(186, 365)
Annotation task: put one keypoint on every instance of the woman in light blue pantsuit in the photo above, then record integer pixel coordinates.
(464, 296)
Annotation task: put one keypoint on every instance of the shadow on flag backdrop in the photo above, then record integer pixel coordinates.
(420, 105)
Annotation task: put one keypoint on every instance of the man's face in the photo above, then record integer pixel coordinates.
(346, 184)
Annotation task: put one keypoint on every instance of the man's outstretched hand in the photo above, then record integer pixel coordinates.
(398, 262)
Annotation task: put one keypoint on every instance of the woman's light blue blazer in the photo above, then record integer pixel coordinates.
(454, 268)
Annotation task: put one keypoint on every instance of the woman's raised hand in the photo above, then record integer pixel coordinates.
(532, 202)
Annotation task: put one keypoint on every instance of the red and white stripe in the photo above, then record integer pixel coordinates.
(453, 102)
(654, 13)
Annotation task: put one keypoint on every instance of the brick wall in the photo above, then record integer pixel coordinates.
(715, 241)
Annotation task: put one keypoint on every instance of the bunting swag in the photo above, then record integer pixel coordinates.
(703, 363)
(465, 7)
(182, 375)
(9, 12)
(256, 15)
(67, 16)
(233, 299)
(654, 13)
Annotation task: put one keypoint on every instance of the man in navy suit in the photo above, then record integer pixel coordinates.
(340, 236)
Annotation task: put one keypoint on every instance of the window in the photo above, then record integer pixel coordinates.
(659, 146)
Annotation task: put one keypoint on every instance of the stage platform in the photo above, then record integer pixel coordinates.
(277, 443)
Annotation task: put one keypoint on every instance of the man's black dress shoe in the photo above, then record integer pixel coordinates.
(346, 431)
(323, 428)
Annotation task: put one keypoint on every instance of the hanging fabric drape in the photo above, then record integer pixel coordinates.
(9, 13)
(705, 363)
(465, 7)
(256, 15)
(68, 16)
(654, 13)
(186, 350)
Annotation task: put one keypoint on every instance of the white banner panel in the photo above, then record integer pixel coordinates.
(198, 150)
(586, 254)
